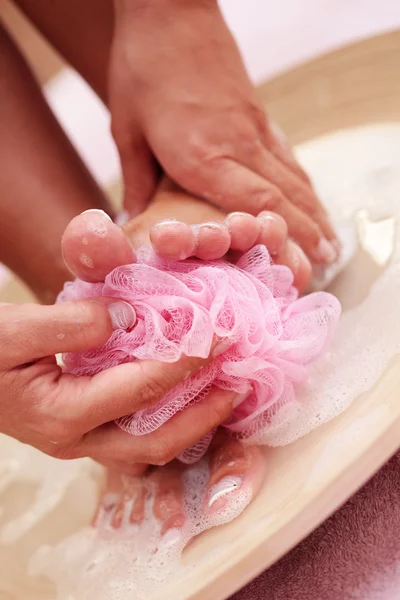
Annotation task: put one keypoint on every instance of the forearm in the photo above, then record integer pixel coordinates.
(43, 183)
(81, 31)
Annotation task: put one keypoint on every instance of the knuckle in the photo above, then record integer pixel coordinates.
(85, 314)
(217, 414)
(153, 389)
(62, 452)
(90, 322)
(201, 151)
(61, 433)
(259, 118)
(271, 199)
(161, 453)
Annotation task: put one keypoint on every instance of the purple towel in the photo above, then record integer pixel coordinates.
(354, 555)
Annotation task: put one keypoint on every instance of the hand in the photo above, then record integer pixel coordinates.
(203, 231)
(70, 417)
(179, 91)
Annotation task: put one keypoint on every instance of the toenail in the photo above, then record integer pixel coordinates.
(237, 214)
(98, 211)
(267, 218)
(166, 222)
(213, 225)
(226, 486)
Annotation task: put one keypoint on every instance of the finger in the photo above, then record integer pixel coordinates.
(273, 232)
(124, 389)
(92, 246)
(278, 144)
(296, 190)
(163, 445)
(231, 185)
(31, 331)
(292, 256)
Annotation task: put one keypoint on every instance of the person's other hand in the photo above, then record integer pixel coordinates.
(179, 92)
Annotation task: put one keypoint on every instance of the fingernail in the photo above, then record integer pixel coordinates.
(221, 346)
(123, 315)
(325, 251)
(226, 486)
(172, 537)
(97, 210)
(239, 399)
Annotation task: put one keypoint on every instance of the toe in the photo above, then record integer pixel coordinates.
(235, 469)
(292, 256)
(244, 229)
(168, 505)
(274, 232)
(92, 246)
(173, 240)
(213, 240)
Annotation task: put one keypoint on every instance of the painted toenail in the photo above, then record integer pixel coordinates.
(226, 486)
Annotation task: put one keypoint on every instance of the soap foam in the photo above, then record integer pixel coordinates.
(135, 560)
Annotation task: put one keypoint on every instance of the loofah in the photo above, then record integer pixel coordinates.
(271, 335)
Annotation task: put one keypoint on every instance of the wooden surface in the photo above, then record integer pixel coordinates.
(307, 480)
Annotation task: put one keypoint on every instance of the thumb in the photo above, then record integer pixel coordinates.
(29, 332)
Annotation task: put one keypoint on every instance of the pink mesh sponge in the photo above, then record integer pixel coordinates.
(272, 335)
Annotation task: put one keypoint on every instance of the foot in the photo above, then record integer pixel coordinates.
(92, 245)
(165, 495)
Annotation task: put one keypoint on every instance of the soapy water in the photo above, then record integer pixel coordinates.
(137, 559)
(357, 173)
